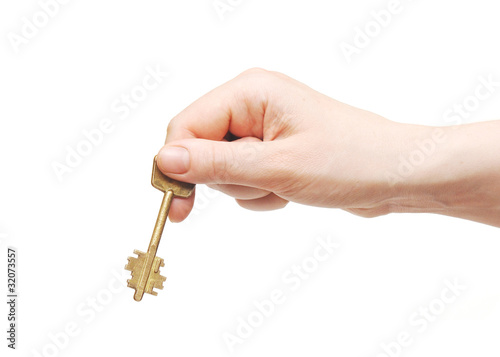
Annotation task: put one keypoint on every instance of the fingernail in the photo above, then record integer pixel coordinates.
(173, 160)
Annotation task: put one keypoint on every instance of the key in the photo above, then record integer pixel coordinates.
(146, 267)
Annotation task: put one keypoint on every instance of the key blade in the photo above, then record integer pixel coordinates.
(135, 265)
(155, 280)
(165, 183)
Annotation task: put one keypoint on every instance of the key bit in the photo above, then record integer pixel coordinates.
(145, 268)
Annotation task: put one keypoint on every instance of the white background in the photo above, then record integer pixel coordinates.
(72, 235)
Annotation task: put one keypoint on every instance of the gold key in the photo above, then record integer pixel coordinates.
(146, 267)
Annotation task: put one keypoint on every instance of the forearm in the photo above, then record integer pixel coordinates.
(460, 177)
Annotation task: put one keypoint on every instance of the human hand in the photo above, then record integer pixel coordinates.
(291, 144)
(266, 139)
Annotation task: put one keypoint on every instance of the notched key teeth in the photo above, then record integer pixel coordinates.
(133, 262)
(131, 266)
(157, 264)
(157, 285)
(139, 253)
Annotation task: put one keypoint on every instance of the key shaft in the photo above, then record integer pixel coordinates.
(153, 244)
(160, 221)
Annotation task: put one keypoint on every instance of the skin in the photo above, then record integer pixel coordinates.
(266, 139)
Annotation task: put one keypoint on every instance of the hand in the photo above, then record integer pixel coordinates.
(291, 143)
(266, 139)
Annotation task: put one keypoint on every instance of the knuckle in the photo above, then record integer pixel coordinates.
(221, 165)
(171, 125)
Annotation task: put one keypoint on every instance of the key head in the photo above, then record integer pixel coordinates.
(164, 183)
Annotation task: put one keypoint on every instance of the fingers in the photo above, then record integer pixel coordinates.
(196, 150)
(237, 106)
(266, 203)
(216, 163)
(253, 164)
(239, 191)
(368, 212)
(180, 208)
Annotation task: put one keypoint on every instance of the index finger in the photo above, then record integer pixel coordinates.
(237, 106)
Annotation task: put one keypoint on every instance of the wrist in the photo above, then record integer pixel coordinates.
(450, 171)
(413, 171)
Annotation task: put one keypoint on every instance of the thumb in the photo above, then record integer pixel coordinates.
(240, 162)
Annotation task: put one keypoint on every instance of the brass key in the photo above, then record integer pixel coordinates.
(146, 267)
